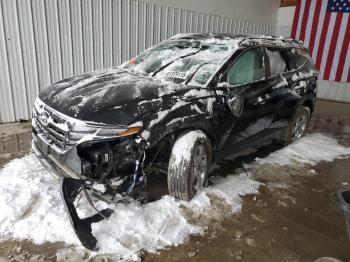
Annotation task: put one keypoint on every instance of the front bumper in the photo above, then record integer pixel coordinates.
(70, 189)
(67, 164)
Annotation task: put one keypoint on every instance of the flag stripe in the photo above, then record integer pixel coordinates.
(300, 19)
(338, 60)
(334, 40)
(326, 44)
(343, 51)
(315, 21)
(346, 71)
(305, 19)
(323, 37)
(295, 20)
(309, 22)
(319, 29)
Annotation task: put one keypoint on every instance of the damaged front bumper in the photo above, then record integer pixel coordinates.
(74, 184)
(70, 189)
(53, 163)
(82, 155)
(71, 186)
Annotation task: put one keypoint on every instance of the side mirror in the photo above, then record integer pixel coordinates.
(235, 104)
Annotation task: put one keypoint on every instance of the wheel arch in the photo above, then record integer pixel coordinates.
(310, 103)
(171, 134)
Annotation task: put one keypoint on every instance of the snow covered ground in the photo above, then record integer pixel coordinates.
(31, 205)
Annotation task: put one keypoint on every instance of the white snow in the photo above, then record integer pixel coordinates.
(281, 84)
(32, 208)
(183, 146)
(203, 92)
(311, 149)
(99, 187)
(210, 102)
(197, 109)
(162, 114)
(137, 124)
(160, 117)
(175, 120)
(150, 101)
(145, 134)
(30, 204)
(301, 75)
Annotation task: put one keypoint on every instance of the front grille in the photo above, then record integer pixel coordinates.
(61, 131)
(53, 127)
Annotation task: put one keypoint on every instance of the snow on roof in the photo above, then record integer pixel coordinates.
(243, 40)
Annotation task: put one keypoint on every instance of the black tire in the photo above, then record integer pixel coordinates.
(187, 162)
(303, 114)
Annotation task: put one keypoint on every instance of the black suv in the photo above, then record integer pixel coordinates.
(174, 109)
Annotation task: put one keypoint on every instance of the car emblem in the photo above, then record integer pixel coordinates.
(44, 117)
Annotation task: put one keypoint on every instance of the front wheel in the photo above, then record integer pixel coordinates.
(189, 165)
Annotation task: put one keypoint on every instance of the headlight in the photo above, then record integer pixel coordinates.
(120, 131)
(115, 132)
(130, 131)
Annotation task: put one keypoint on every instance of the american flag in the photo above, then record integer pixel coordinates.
(324, 27)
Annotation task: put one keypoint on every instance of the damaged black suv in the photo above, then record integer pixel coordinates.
(172, 110)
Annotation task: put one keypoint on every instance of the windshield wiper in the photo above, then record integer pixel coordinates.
(189, 78)
(166, 65)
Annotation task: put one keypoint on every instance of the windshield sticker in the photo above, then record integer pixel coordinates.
(182, 75)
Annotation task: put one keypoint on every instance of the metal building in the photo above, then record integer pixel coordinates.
(43, 41)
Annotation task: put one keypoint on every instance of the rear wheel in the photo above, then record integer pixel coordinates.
(297, 127)
(189, 165)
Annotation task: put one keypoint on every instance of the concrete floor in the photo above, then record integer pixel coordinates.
(332, 109)
(299, 222)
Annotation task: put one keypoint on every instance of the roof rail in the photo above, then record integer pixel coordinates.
(272, 42)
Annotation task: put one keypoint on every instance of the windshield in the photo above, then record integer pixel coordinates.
(187, 61)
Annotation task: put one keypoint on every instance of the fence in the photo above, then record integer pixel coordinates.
(43, 41)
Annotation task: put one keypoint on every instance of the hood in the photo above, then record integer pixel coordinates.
(111, 96)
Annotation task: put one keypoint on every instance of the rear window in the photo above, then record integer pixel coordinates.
(277, 63)
(298, 58)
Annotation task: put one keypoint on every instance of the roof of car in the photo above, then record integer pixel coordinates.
(242, 40)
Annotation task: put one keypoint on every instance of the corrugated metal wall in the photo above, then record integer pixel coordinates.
(335, 91)
(43, 41)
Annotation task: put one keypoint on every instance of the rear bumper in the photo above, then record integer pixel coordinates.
(56, 164)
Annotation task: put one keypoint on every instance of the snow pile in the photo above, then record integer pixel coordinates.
(32, 208)
(310, 149)
(31, 205)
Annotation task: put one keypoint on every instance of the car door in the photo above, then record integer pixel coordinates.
(246, 81)
(287, 87)
(278, 91)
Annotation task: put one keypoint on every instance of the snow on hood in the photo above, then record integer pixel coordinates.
(32, 208)
(111, 96)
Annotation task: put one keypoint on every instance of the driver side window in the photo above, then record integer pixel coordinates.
(248, 68)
